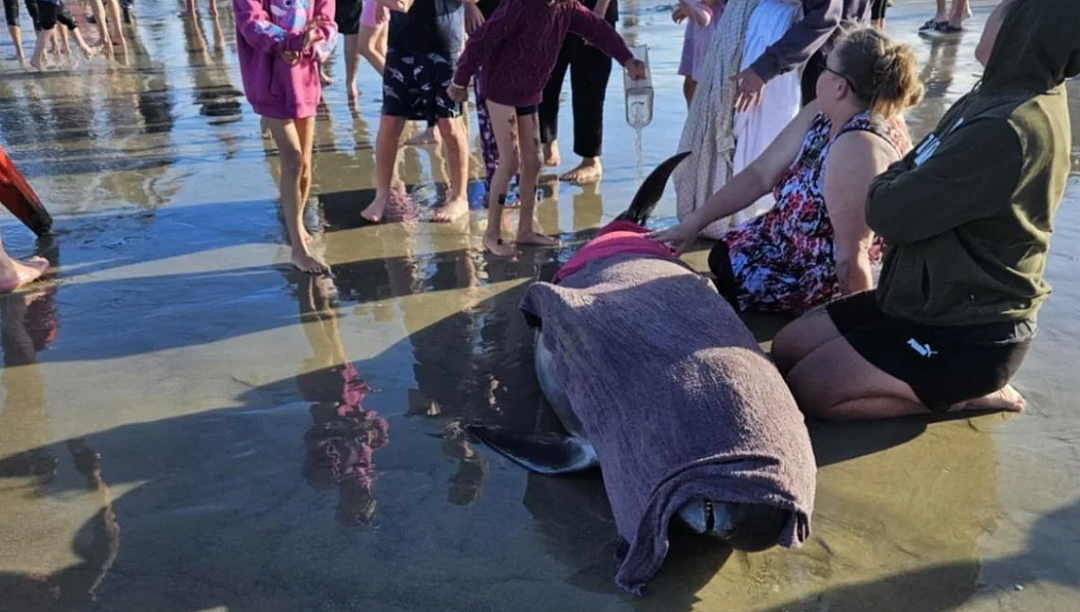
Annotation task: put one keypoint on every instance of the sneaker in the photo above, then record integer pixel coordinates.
(931, 25)
(942, 30)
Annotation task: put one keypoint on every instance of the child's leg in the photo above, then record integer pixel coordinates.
(63, 15)
(102, 25)
(47, 21)
(505, 124)
(292, 169)
(352, 64)
(65, 44)
(305, 129)
(386, 151)
(370, 38)
(457, 152)
(529, 137)
(117, 24)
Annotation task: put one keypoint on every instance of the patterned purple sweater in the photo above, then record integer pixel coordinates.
(518, 47)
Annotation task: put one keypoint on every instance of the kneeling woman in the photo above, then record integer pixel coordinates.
(814, 244)
(968, 216)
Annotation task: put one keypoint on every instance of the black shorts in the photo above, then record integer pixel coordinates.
(11, 12)
(347, 15)
(415, 84)
(877, 9)
(49, 14)
(943, 365)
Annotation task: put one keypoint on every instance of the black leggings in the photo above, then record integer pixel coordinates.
(590, 69)
(11, 12)
(50, 14)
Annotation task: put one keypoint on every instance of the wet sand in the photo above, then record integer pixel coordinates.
(217, 386)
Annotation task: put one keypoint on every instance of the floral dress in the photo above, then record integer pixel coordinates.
(784, 260)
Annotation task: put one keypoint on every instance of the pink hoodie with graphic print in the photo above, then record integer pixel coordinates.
(266, 28)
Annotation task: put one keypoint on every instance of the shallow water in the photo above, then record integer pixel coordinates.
(174, 343)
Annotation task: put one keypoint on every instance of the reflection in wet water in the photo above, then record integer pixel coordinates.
(236, 418)
(344, 436)
(28, 326)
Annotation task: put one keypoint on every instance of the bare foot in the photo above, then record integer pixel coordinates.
(427, 137)
(38, 64)
(1007, 398)
(21, 273)
(534, 239)
(551, 154)
(451, 211)
(308, 263)
(375, 211)
(90, 52)
(588, 171)
(496, 246)
(325, 78)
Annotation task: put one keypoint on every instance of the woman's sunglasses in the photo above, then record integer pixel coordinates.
(825, 68)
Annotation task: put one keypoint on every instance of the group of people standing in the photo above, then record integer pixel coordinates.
(108, 15)
(517, 54)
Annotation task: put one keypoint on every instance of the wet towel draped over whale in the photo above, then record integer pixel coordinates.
(677, 398)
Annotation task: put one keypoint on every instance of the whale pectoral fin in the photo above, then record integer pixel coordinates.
(544, 453)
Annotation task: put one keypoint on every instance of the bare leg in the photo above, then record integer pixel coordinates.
(505, 125)
(801, 337)
(835, 382)
(961, 10)
(352, 64)
(370, 40)
(551, 154)
(16, 38)
(213, 7)
(117, 24)
(102, 25)
(427, 137)
(38, 59)
(529, 137)
(386, 151)
(942, 14)
(65, 44)
(86, 49)
(15, 273)
(689, 86)
(305, 129)
(292, 169)
(457, 150)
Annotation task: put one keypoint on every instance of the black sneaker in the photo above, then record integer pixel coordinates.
(930, 25)
(943, 30)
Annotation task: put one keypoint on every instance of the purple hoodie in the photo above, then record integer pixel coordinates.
(265, 29)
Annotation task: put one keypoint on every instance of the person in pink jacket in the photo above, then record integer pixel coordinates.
(280, 44)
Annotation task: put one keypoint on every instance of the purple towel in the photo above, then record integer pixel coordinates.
(677, 398)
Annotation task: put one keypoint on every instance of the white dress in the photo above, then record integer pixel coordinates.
(721, 145)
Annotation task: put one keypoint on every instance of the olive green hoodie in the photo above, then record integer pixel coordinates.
(967, 215)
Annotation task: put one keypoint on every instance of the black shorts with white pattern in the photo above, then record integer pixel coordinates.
(415, 84)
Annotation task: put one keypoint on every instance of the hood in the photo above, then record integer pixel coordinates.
(1037, 48)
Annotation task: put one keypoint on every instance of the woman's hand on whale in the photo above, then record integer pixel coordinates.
(680, 237)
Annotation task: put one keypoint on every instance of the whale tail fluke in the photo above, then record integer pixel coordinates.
(651, 190)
